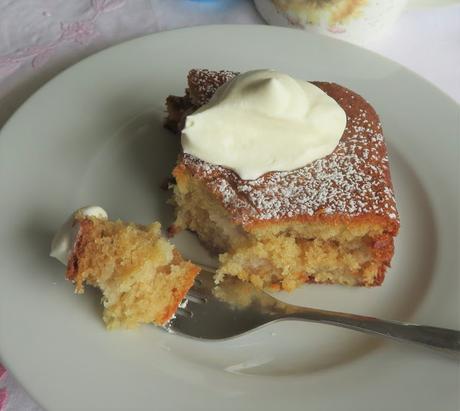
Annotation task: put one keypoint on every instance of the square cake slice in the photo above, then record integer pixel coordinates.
(331, 221)
(141, 275)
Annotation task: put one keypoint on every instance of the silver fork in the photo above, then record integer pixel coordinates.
(213, 312)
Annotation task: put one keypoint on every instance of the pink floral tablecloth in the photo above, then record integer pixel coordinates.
(39, 38)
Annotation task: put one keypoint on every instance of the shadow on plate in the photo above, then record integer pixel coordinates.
(127, 172)
(35, 238)
(150, 154)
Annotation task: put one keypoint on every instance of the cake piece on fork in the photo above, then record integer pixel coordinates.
(142, 277)
(331, 221)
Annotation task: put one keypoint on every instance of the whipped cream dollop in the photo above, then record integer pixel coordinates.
(263, 121)
(64, 239)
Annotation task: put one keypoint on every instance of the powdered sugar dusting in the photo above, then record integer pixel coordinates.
(353, 180)
(204, 83)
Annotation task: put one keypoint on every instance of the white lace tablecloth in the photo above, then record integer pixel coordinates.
(38, 38)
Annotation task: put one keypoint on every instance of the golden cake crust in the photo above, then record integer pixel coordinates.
(352, 184)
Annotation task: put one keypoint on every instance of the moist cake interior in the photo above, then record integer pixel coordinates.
(141, 275)
(288, 254)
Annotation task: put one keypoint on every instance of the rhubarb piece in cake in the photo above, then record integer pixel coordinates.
(331, 221)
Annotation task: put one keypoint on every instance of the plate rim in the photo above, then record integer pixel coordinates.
(219, 26)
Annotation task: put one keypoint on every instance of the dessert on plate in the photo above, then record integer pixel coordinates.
(331, 219)
(142, 277)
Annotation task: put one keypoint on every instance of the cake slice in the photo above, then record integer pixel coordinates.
(141, 275)
(331, 221)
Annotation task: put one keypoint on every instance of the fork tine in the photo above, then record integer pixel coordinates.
(209, 316)
(183, 312)
(207, 268)
(195, 297)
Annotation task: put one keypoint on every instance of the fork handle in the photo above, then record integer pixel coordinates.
(441, 339)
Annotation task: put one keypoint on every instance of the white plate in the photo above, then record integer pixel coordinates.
(93, 135)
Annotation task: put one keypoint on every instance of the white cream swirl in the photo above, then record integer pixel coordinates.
(263, 121)
(64, 239)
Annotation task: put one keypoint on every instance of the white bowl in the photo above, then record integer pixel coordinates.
(351, 20)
